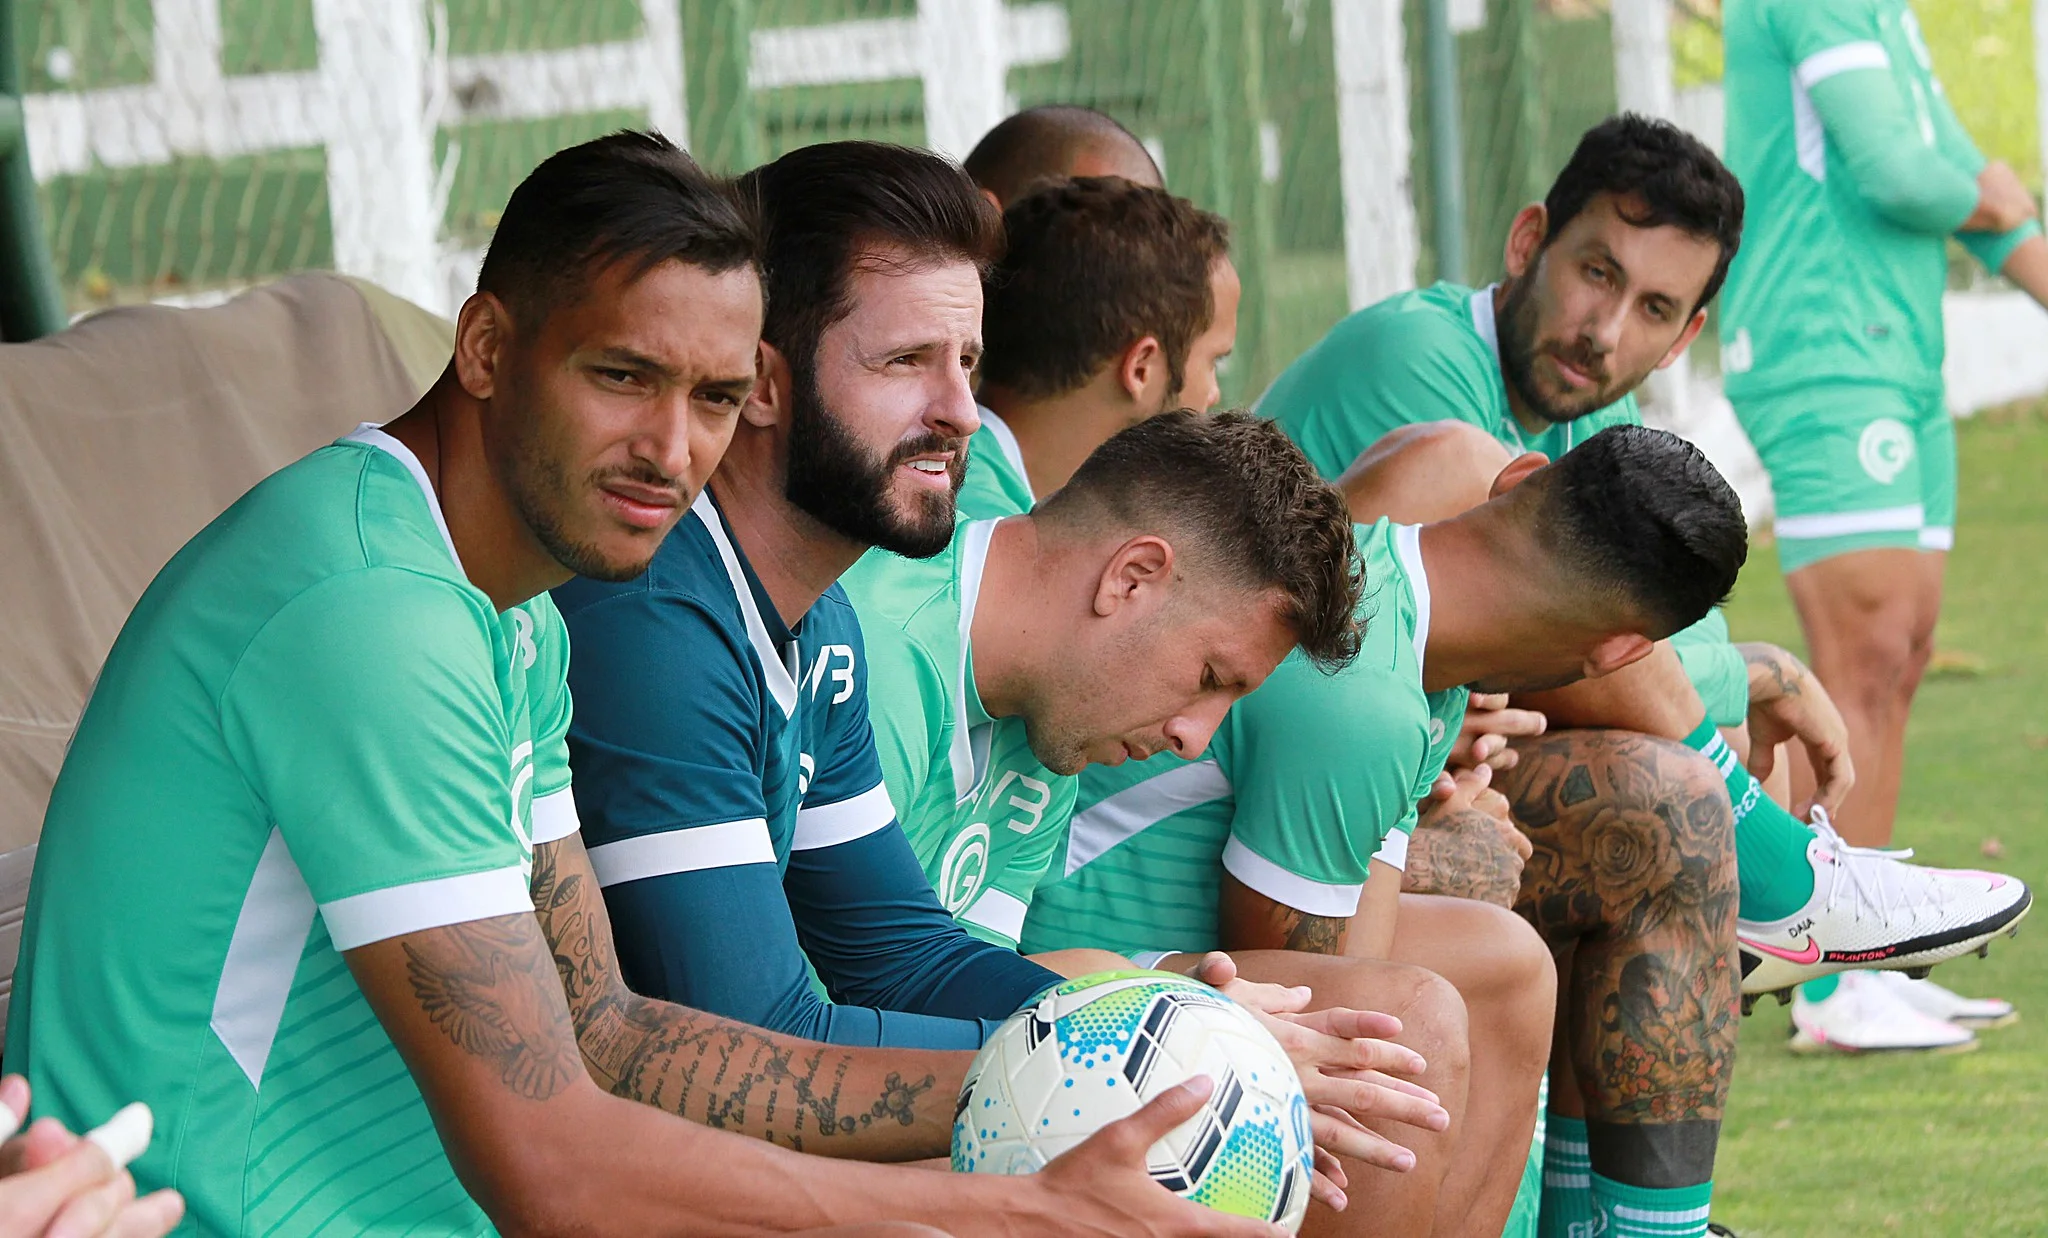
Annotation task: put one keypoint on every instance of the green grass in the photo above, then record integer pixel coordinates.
(1925, 1145)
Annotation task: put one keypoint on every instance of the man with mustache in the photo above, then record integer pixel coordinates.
(1607, 280)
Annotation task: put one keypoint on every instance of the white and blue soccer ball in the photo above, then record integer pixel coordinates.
(1097, 1049)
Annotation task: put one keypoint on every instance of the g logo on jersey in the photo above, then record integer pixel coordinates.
(522, 807)
(1885, 449)
(964, 869)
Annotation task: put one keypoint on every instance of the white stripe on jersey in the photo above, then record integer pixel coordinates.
(728, 844)
(997, 912)
(1110, 821)
(395, 911)
(1394, 850)
(1843, 58)
(968, 758)
(828, 825)
(1842, 524)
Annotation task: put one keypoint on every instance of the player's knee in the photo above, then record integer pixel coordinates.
(1434, 1020)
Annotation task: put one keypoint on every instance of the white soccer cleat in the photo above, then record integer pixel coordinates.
(1863, 1015)
(1936, 1002)
(1871, 910)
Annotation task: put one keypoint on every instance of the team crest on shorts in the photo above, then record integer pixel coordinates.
(1885, 449)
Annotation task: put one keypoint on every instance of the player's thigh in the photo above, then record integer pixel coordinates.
(1492, 956)
(1845, 465)
(1428, 1005)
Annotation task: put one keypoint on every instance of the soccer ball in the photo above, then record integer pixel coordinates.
(1097, 1049)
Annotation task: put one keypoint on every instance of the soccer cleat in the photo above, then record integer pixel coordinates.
(1936, 1002)
(1863, 1015)
(1871, 910)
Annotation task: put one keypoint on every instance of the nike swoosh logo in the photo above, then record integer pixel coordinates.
(1802, 957)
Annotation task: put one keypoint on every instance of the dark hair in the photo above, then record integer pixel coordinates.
(1094, 265)
(627, 197)
(1641, 515)
(1670, 173)
(1253, 505)
(1041, 143)
(825, 208)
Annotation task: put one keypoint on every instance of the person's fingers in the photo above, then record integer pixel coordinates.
(1505, 759)
(43, 1143)
(1486, 702)
(1323, 1188)
(1367, 1100)
(1127, 1138)
(1360, 1144)
(90, 1212)
(1493, 804)
(1399, 1084)
(1268, 999)
(1330, 1167)
(1215, 969)
(1346, 1022)
(152, 1216)
(36, 1195)
(1444, 787)
(1517, 723)
(1481, 776)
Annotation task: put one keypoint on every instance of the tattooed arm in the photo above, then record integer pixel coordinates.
(871, 1104)
(477, 1012)
(1786, 702)
(1249, 920)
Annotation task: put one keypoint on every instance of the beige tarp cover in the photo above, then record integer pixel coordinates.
(121, 438)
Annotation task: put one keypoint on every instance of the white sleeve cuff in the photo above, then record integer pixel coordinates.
(395, 911)
(1394, 850)
(1316, 898)
(728, 844)
(554, 816)
(1822, 65)
(828, 825)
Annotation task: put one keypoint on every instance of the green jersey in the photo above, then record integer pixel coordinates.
(1309, 779)
(1431, 354)
(1856, 171)
(995, 485)
(982, 814)
(312, 734)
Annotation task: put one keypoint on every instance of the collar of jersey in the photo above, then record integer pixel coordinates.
(371, 435)
(1408, 548)
(774, 645)
(1006, 438)
(1484, 322)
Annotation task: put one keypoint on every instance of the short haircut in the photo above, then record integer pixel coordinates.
(1041, 143)
(624, 198)
(1250, 503)
(1093, 266)
(1642, 517)
(1672, 175)
(825, 209)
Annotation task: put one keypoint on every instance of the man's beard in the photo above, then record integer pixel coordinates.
(833, 478)
(1518, 352)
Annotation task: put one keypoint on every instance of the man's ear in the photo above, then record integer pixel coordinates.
(1525, 238)
(1685, 338)
(993, 200)
(482, 327)
(1137, 574)
(1516, 472)
(769, 402)
(1616, 651)
(1141, 371)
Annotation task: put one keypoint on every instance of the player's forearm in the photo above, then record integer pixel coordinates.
(2027, 268)
(1773, 671)
(1461, 854)
(874, 1104)
(1652, 697)
(1249, 920)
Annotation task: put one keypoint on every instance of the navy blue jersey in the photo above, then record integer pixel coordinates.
(733, 807)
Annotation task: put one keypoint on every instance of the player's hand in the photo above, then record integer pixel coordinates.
(2003, 202)
(1466, 844)
(1489, 725)
(1101, 1186)
(1786, 702)
(54, 1184)
(1348, 1063)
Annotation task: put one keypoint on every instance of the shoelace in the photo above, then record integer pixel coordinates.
(1885, 901)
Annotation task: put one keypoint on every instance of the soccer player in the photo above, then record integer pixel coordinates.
(310, 883)
(1608, 279)
(1858, 172)
(1148, 266)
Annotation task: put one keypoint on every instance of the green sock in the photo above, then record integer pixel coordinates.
(1640, 1212)
(1822, 989)
(1568, 1207)
(1770, 843)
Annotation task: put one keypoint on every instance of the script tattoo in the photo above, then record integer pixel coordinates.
(1463, 854)
(721, 1073)
(1634, 864)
